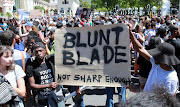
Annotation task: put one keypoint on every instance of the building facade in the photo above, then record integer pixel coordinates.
(68, 6)
(52, 4)
(30, 4)
(6, 6)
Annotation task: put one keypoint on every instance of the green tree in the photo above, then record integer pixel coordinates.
(47, 1)
(52, 10)
(141, 3)
(2, 14)
(39, 7)
(175, 3)
(85, 4)
(110, 4)
(8, 15)
(144, 3)
(96, 4)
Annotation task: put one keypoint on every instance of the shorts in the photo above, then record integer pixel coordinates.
(142, 80)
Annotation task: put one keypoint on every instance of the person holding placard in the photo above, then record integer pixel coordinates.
(40, 73)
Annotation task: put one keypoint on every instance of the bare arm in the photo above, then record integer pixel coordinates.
(16, 21)
(47, 50)
(39, 86)
(20, 32)
(141, 38)
(24, 29)
(78, 91)
(137, 46)
(45, 41)
(21, 90)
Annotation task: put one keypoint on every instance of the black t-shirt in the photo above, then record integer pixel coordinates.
(145, 66)
(42, 73)
(176, 44)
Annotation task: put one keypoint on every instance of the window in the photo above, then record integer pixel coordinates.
(65, 2)
(62, 10)
(69, 9)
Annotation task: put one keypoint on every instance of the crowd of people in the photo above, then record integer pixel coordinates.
(27, 59)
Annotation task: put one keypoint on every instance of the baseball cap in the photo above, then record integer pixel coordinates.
(38, 44)
(37, 20)
(28, 24)
(52, 29)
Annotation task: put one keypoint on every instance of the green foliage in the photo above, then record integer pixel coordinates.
(85, 4)
(102, 9)
(144, 3)
(52, 10)
(96, 4)
(110, 4)
(8, 15)
(47, 1)
(39, 7)
(175, 3)
(2, 14)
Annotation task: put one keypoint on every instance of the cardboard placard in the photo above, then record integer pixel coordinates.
(35, 13)
(93, 56)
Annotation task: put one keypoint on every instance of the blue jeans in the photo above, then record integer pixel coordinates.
(48, 100)
(61, 104)
(110, 92)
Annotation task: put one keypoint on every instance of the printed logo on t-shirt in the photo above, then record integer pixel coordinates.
(46, 78)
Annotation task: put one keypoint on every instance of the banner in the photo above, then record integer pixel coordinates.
(35, 13)
(23, 15)
(93, 56)
(83, 12)
(26, 15)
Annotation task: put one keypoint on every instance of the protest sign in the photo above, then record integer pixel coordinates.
(93, 56)
(23, 15)
(26, 15)
(35, 13)
(83, 12)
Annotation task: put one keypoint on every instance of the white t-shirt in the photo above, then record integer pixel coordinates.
(13, 75)
(151, 33)
(161, 77)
